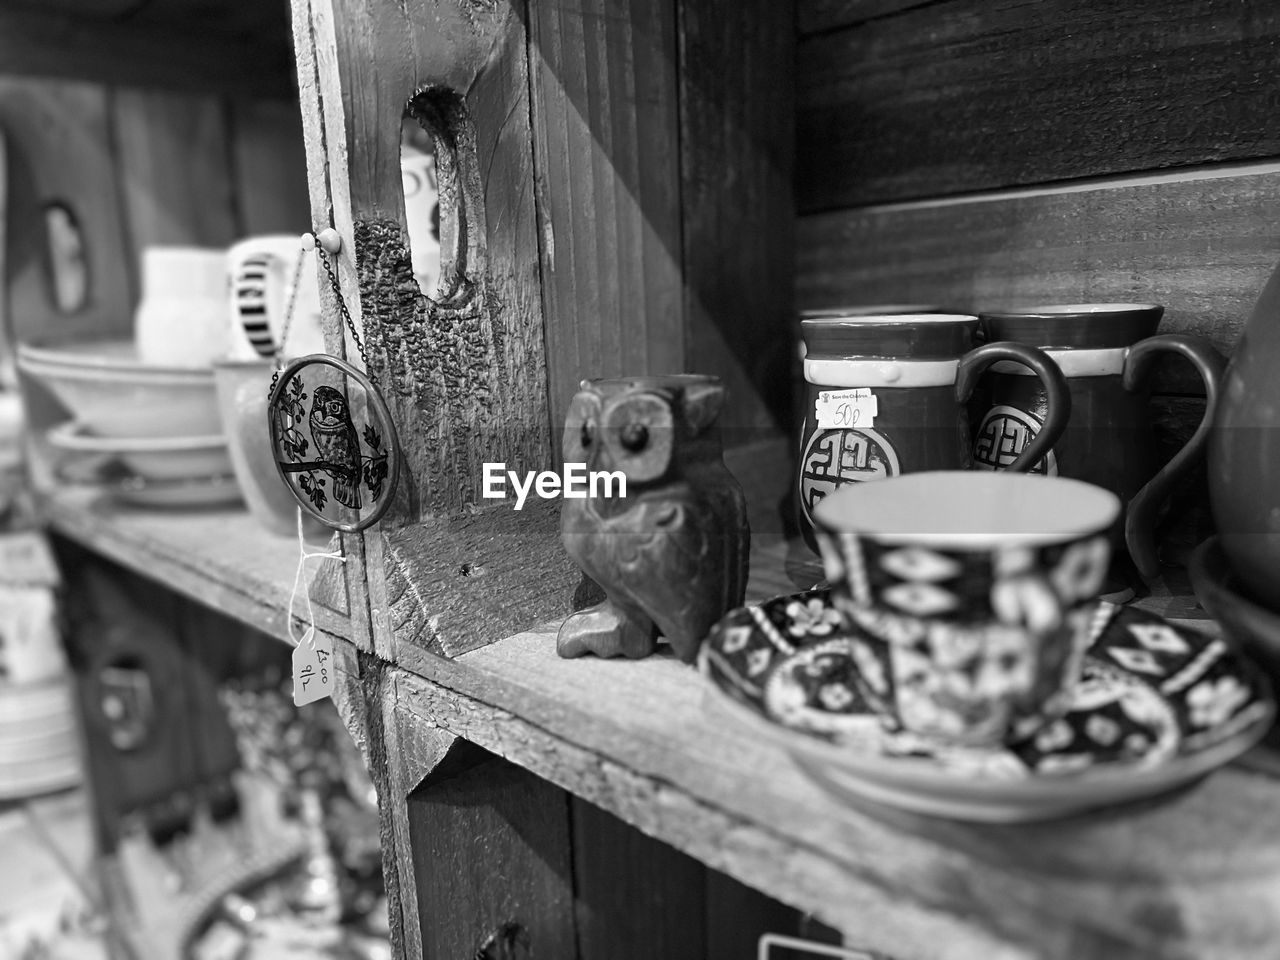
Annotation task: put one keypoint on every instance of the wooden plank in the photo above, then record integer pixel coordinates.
(59, 149)
(457, 582)
(639, 740)
(466, 376)
(270, 167)
(738, 916)
(970, 94)
(491, 851)
(410, 755)
(820, 16)
(737, 155)
(364, 553)
(204, 58)
(219, 557)
(1203, 246)
(636, 898)
(607, 160)
(173, 154)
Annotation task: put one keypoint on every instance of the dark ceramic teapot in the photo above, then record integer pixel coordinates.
(1244, 452)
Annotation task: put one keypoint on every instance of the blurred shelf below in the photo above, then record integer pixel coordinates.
(220, 557)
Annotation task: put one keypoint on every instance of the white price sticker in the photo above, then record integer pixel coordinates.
(312, 668)
(843, 409)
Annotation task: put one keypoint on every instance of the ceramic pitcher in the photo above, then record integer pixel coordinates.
(1244, 453)
(266, 275)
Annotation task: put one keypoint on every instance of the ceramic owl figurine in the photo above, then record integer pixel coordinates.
(670, 555)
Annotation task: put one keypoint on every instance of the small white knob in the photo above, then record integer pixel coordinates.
(330, 240)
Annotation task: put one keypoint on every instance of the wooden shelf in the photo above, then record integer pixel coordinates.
(1195, 871)
(220, 557)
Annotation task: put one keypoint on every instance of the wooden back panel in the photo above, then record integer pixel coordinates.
(615, 201)
(980, 155)
(985, 154)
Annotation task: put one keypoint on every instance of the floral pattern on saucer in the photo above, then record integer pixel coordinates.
(1149, 692)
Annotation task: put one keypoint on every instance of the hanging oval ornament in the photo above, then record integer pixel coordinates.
(334, 442)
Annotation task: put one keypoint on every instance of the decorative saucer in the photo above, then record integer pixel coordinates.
(1156, 707)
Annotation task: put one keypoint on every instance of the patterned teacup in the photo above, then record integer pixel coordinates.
(969, 595)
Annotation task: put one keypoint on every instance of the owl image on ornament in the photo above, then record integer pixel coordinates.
(337, 443)
(670, 555)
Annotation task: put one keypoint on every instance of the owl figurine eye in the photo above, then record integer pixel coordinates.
(634, 436)
(587, 434)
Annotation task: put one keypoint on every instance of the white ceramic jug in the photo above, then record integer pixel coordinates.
(180, 320)
(262, 271)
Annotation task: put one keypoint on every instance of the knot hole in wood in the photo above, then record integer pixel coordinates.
(442, 113)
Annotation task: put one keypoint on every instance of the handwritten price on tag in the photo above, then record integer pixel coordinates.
(312, 668)
(843, 409)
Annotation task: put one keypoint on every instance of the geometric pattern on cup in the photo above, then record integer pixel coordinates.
(920, 599)
(1159, 637)
(1081, 569)
(919, 564)
(1141, 661)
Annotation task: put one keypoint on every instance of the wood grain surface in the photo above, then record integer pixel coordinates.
(1191, 874)
(737, 63)
(820, 16)
(465, 373)
(1201, 246)
(606, 89)
(635, 897)
(966, 95)
(491, 847)
(456, 582)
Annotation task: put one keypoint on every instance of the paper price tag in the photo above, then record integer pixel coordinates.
(773, 944)
(312, 668)
(842, 409)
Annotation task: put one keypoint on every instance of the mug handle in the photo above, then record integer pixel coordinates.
(1141, 516)
(254, 281)
(1057, 393)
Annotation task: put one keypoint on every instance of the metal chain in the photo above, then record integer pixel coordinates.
(288, 319)
(342, 308)
(346, 314)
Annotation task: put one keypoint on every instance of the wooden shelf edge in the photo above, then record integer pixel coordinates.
(634, 738)
(219, 558)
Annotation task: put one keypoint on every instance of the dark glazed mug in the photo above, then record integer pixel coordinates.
(1105, 351)
(887, 395)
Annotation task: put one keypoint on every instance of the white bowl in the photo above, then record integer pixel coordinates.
(151, 458)
(113, 394)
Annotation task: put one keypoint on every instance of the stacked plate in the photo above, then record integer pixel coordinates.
(39, 748)
(151, 434)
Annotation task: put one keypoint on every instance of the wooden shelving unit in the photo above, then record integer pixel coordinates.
(221, 558)
(644, 742)
(621, 196)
